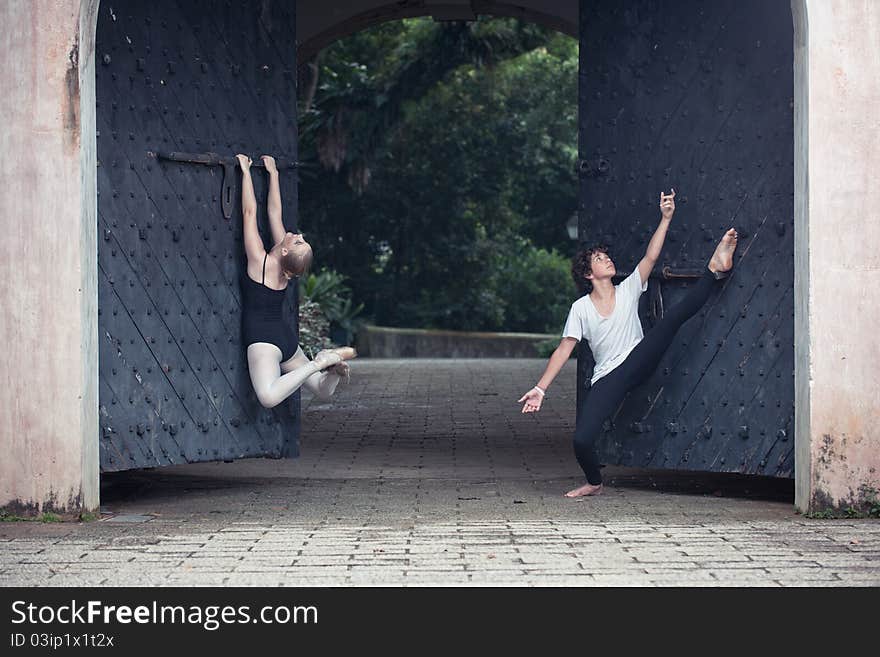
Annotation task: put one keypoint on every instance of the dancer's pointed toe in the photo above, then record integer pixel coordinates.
(330, 357)
(722, 260)
(346, 353)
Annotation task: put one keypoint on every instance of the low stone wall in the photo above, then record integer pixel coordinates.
(385, 342)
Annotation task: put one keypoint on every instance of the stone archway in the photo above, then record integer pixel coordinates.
(317, 27)
(50, 327)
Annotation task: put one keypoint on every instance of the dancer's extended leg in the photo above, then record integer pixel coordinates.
(321, 384)
(646, 355)
(274, 382)
(273, 387)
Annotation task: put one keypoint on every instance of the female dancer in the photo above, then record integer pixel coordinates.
(608, 318)
(278, 366)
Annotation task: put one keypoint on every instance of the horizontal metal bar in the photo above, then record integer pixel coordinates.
(209, 159)
(213, 159)
(666, 274)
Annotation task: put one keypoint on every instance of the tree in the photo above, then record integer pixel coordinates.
(438, 157)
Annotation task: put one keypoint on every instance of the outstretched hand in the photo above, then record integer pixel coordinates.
(667, 204)
(244, 162)
(533, 400)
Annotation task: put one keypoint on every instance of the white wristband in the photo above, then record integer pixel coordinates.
(543, 393)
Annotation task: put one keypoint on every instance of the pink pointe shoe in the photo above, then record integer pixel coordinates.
(329, 357)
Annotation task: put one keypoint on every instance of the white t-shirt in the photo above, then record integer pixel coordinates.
(610, 338)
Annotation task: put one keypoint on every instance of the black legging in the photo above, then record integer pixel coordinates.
(604, 396)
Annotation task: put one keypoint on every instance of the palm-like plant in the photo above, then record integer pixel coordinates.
(328, 290)
(354, 112)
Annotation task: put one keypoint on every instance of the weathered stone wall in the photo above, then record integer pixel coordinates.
(385, 342)
(837, 260)
(48, 328)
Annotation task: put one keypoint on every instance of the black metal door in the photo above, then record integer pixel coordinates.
(697, 95)
(193, 76)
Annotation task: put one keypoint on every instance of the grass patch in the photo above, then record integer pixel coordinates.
(869, 507)
(48, 516)
(5, 516)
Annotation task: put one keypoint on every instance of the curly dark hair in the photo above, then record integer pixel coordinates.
(582, 264)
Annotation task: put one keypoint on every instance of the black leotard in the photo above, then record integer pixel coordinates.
(261, 315)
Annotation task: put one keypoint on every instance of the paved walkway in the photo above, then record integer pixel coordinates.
(424, 472)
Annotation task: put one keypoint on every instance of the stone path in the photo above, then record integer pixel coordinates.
(424, 472)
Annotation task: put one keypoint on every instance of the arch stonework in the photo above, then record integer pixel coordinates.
(50, 422)
(319, 25)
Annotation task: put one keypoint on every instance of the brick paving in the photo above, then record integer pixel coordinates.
(425, 473)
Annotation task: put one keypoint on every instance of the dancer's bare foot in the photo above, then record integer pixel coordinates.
(722, 259)
(586, 489)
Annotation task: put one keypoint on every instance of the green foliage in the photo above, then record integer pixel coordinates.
(871, 498)
(329, 291)
(538, 289)
(345, 318)
(545, 348)
(47, 516)
(439, 172)
(868, 506)
(327, 288)
(359, 104)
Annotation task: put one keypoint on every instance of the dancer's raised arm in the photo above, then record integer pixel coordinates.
(275, 222)
(655, 246)
(253, 243)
